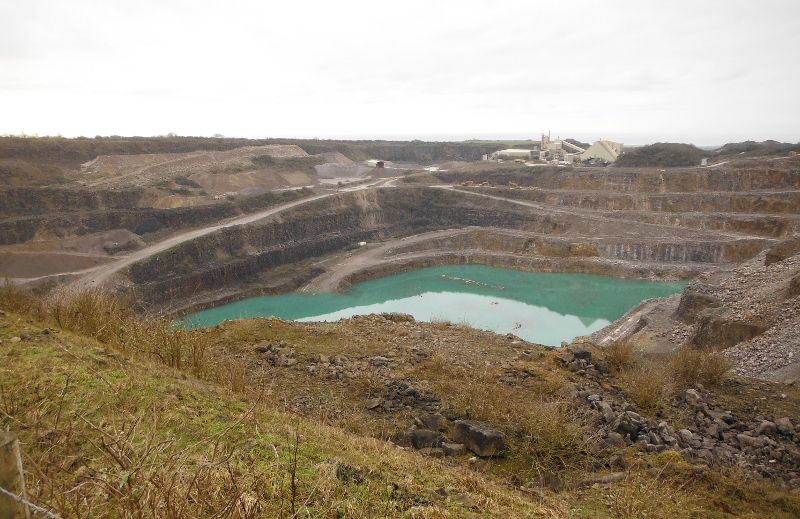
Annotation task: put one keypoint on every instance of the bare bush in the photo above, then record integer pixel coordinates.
(693, 366)
(647, 383)
(620, 355)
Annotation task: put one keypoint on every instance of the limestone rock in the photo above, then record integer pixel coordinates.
(785, 426)
(692, 397)
(480, 438)
(421, 439)
(372, 403)
(602, 479)
(454, 449)
(765, 428)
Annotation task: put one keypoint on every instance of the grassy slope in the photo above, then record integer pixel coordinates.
(110, 434)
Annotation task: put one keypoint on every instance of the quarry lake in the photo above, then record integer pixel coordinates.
(539, 307)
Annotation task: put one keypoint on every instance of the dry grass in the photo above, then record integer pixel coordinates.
(620, 355)
(546, 434)
(107, 436)
(693, 366)
(101, 316)
(647, 383)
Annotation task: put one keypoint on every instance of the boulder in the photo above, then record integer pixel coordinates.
(785, 426)
(613, 439)
(454, 449)
(480, 438)
(624, 425)
(692, 303)
(692, 397)
(434, 422)
(783, 250)
(581, 353)
(766, 428)
(421, 439)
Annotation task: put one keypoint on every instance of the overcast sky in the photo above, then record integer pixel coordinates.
(639, 71)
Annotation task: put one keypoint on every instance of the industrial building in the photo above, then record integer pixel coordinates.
(558, 151)
(512, 154)
(607, 151)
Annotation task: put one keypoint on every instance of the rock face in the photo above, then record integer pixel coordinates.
(692, 304)
(480, 438)
(785, 249)
(636, 223)
(716, 328)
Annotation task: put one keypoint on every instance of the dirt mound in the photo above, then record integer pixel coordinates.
(141, 170)
(334, 157)
(344, 171)
(250, 181)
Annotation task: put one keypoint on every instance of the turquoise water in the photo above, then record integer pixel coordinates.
(539, 307)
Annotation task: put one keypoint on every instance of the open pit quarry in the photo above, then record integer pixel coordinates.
(616, 409)
(712, 225)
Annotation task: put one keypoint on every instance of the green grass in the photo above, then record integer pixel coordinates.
(127, 423)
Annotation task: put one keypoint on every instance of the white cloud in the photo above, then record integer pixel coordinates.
(709, 70)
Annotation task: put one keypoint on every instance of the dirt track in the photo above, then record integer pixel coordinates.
(340, 268)
(95, 277)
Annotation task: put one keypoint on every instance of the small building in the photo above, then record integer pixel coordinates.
(375, 163)
(512, 154)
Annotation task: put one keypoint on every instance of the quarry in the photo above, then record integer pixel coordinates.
(173, 227)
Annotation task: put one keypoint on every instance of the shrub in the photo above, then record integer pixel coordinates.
(693, 366)
(648, 384)
(102, 316)
(663, 154)
(620, 354)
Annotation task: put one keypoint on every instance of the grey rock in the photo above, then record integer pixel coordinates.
(685, 437)
(692, 397)
(785, 426)
(750, 441)
(421, 439)
(581, 353)
(765, 428)
(480, 438)
(454, 449)
(602, 479)
(434, 422)
(614, 439)
(704, 456)
(372, 403)
(624, 425)
(379, 361)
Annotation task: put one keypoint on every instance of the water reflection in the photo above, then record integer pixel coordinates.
(539, 307)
